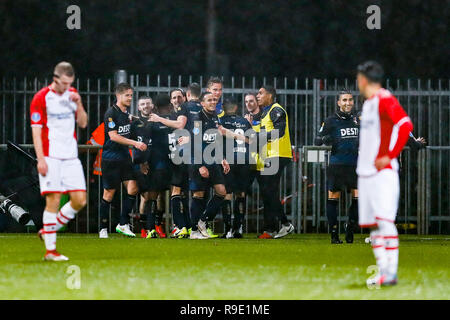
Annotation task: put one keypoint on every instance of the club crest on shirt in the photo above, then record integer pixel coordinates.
(35, 116)
(196, 129)
(111, 124)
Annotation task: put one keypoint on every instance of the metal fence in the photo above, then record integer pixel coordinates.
(424, 175)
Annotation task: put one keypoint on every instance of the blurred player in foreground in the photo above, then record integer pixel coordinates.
(385, 129)
(54, 111)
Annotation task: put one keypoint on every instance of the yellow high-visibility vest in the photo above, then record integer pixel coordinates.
(259, 162)
(280, 147)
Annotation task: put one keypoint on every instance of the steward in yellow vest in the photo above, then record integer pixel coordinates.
(275, 154)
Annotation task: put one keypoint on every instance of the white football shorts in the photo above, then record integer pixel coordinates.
(63, 176)
(378, 197)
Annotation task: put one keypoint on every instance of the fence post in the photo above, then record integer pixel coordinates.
(421, 193)
(120, 76)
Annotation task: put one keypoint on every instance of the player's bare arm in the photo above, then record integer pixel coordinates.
(37, 142)
(176, 124)
(230, 134)
(82, 118)
(114, 136)
(225, 166)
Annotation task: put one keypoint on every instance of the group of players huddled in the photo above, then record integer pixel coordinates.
(191, 141)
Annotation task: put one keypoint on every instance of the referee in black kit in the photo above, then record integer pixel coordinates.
(341, 131)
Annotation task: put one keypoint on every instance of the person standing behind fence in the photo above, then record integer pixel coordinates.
(385, 129)
(276, 154)
(215, 86)
(54, 111)
(117, 166)
(341, 131)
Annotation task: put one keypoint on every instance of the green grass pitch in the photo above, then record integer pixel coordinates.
(296, 267)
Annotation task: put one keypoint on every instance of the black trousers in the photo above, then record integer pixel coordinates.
(269, 186)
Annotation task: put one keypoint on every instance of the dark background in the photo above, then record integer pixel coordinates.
(254, 38)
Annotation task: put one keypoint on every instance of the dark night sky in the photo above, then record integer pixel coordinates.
(270, 38)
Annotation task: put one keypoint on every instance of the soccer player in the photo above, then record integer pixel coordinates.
(215, 86)
(117, 166)
(277, 151)
(179, 193)
(254, 111)
(177, 97)
(341, 131)
(160, 164)
(145, 108)
(205, 125)
(239, 179)
(53, 112)
(385, 129)
(141, 131)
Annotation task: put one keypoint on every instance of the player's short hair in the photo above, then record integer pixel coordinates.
(372, 70)
(344, 91)
(144, 98)
(195, 89)
(271, 90)
(162, 101)
(122, 87)
(250, 93)
(64, 68)
(177, 89)
(229, 104)
(213, 80)
(204, 94)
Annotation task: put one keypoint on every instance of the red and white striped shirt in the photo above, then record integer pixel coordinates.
(55, 114)
(385, 129)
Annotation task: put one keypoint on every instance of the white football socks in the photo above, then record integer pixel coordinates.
(379, 251)
(49, 220)
(390, 235)
(65, 214)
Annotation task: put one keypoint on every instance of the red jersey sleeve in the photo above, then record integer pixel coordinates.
(391, 110)
(38, 110)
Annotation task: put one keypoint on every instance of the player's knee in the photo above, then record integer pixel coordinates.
(176, 191)
(334, 195)
(108, 194)
(198, 194)
(220, 190)
(387, 227)
(52, 201)
(78, 201)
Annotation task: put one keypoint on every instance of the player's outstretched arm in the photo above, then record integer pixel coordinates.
(38, 149)
(114, 136)
(230, 134)
(176, 124)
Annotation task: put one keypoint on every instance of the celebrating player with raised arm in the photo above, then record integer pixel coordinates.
(385, 129)
(179, 194)
(54, 111)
